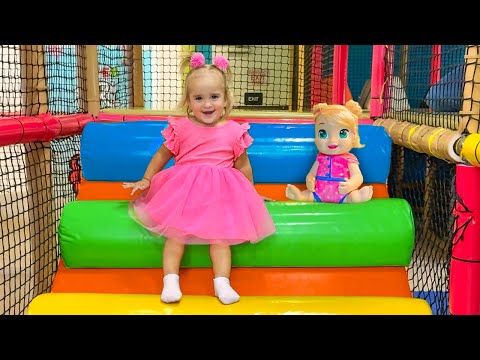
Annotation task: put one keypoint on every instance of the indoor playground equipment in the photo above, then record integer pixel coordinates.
(82, 119)
(324, 258)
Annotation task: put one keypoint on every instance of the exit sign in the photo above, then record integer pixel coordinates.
(253, 98)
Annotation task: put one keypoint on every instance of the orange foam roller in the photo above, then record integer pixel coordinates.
(277, 191)
(364, 281)
(104, 190)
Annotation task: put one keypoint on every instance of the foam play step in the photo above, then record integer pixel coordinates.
(380, 232)
(133, 304)
(320, 281)
(280, 153)
(113, 190)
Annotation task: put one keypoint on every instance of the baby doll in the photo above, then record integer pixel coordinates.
(335, 176)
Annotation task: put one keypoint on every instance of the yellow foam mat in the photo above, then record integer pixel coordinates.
(134, 304)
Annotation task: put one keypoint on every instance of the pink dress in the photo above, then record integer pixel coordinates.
(203, 199)
(332, 169)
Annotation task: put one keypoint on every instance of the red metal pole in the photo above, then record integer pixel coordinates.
(340, 68)
(435, 64)
(378, 78)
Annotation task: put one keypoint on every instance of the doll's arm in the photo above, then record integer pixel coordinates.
(243, 164)
(161, 157)
(355, 180)
(310, 180)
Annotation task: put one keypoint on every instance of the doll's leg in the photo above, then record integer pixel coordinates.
(172, 256)
(222, 264)
(361, 195)
(294, 193)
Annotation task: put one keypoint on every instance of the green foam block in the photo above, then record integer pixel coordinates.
(380, 232)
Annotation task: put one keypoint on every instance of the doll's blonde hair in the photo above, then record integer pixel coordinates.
(345, 115)
(226, 75)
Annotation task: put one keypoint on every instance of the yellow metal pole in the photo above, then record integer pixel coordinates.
(301, 77)
(38, 161)
(138, 99)
(93, 89)
(470, 114)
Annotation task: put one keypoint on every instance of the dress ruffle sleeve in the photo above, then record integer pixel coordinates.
(244, 140)
(351, 158)
(170, 133)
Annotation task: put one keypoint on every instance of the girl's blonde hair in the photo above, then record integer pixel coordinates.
(346, 115)
(226, 75)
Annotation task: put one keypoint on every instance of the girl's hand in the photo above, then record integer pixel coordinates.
(139, 185)
(310, 182)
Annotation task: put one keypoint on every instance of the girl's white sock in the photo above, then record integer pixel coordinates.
(224, 291)
(171, 288)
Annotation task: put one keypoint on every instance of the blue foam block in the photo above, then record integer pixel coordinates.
(281, 153)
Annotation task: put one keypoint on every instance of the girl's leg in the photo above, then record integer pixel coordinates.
(172, 256)
(222, 263)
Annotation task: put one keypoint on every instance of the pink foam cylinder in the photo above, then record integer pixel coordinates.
(464, 296)
(73, 124)
(32, 128)
(53, 127)
(45, 127)
(11, 131)
(105, 117)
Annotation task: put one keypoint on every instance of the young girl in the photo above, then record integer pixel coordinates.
(335, 175)
(208, 196)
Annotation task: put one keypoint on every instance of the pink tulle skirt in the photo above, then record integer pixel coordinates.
(202, 204)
